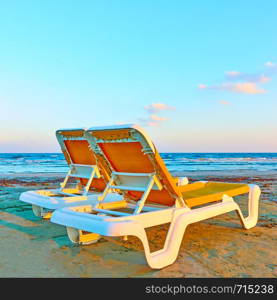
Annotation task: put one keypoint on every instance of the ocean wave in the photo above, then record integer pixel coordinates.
(55, 162)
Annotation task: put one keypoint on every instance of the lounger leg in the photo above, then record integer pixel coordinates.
(181, 219)
(166, 256)
(253, 208)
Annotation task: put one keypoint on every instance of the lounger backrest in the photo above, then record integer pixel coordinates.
(76, 150)
(128, 149)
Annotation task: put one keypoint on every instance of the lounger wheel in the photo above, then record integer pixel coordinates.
(37, 210)
(76, 236)
(40, 212)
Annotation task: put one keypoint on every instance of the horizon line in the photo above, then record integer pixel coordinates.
(159, 152)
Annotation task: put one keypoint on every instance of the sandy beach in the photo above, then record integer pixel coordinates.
(218, 247)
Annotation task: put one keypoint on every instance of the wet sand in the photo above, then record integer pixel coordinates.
(218, 247)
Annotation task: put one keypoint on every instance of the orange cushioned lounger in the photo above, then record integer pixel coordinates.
(127, 157)
(76, 150)
(152, 196)
(89, 175)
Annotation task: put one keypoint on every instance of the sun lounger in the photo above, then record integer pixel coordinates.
(90, 176)
(151, 195)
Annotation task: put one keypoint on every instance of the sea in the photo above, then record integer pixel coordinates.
(179, 163)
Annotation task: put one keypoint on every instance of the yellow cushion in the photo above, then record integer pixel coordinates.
(199, 193)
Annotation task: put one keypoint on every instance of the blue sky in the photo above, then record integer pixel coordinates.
(200, 76)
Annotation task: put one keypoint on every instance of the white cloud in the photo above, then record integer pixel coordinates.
(157, 118)
(246, 88)
(224, 102)
(155, 107)
(246, 83)
(202, 86)
(153, 119)
(238, 87)
(270, 64)
(264, 79)
(259, 77)
(232, 74)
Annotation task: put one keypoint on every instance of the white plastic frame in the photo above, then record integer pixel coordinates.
(113, 224)
(116, 223)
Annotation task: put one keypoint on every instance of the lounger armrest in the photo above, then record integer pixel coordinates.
(180, 181)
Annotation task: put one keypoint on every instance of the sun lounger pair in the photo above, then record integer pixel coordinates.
(124, 187)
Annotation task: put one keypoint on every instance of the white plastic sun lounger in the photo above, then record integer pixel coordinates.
(82, 167)
(151, 195)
